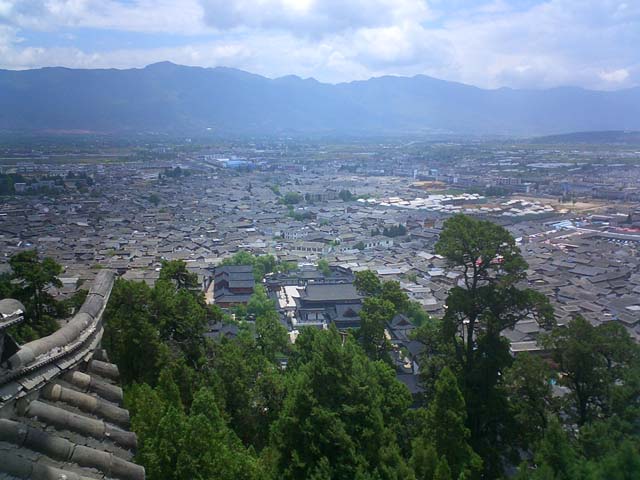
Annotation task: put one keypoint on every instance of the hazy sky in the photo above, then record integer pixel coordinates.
(489, 43)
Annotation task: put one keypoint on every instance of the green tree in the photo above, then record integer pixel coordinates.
(175, 445)
(395, 231)
(436, 354)
(187, 378)
(417, 314)
(262, 264)
(70, 305)
(595, 362)
(165, 446)
(146, 326)
(176, 271)
(287, 267)
(292, 198)
(146, 409)
(424, 458)
(392, 292)
(7, 183)
(240, 258)
(623, 463)
(210, 449)
(7, 289)
(528, 386)
(271, 336)
(260, 304)
(446, 427)
(555, 452)
(602, 450)
(275, 189)
(168, 390)
(375, 314)
(443, 472)
(249, 387)
(24, 332)
(345, 195)
(302, 350)
(131, 338)
(489, 301)
(154, 199)
(181, 319)
(340, 415)
(324, 267)
(36, 277)
(368, 283)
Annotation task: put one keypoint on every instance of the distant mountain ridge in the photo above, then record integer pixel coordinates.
(610, 137)
(167, 97)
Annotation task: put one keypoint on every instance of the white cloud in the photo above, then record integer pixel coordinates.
(558, 42)
(200, 54)
(161, 16)
(615, 76)
(311, 17)
(493, 43)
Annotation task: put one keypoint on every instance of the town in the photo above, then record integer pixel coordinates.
(319, 240)
(330, 211)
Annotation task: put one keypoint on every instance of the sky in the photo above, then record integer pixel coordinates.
(594, 44)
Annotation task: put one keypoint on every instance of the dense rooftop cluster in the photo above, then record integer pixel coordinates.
(338, 237)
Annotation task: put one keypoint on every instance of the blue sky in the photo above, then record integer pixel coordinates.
(488, 43)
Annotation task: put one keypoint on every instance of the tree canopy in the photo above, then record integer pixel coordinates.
(368, 283)
(176, 271)
(489, 301)
(324, 267)
(262, 264)
(339, 417)
(330, 406)
(599, 365)
(30, 280)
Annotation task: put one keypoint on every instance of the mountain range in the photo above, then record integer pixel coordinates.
(165, 97)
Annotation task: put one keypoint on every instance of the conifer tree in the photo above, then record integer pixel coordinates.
(443, 472)
(446, 426)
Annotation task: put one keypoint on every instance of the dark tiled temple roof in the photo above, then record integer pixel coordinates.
(61, 414)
